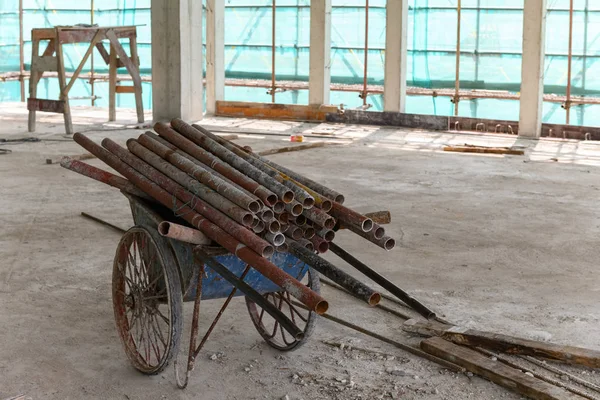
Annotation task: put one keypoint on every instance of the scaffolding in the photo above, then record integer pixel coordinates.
(464, 56)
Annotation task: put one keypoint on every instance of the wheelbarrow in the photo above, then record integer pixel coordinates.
(153, 275)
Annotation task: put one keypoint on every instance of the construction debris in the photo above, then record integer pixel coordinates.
(467, 148)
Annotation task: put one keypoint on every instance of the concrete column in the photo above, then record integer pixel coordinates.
(532, 68)
(396, 53)
(320, 52)
(177, 59)
(215, 54)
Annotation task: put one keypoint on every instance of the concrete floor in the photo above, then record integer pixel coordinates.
(502, 243)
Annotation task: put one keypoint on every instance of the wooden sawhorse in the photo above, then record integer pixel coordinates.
(48, 61)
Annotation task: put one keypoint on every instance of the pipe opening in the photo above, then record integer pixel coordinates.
(321, 307)
(288, 196)
(326, 205)
(379, 232)
(296, 233)
(274, 226)
(278, 207)
(283, 248)
(300, 220)
(367, 225)
(374, 299)
(308, 202)
(309, 246)
(163, 228)
(267, 215)
(339, 199)
(254, 206)
(297, 209)
(299, 336)
(329, 223)
(271, 200)
(254, 222)
(268, 251)
(329, 235)
(278, 239)
(323, 247)
(259, 227)
(389, 244)
(248, 219)
(309, 232)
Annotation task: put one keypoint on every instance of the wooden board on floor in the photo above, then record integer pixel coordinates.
(496, 372)
(240, 109)
(484, 150)
(506, 344)
(298, 147)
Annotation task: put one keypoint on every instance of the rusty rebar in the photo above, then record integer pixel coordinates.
(215, 163)
(335, 274)
(203, 175)
(285, 194)
(312, 300)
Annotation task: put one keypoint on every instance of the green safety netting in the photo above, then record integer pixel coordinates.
(491, 34)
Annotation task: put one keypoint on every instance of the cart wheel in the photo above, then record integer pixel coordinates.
(271, 330)
(147, 300)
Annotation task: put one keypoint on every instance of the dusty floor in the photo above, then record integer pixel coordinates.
(500, 243)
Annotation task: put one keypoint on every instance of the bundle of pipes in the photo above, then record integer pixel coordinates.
(245, 203)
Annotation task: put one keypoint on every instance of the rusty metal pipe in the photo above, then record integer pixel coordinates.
(385, 242)
(278, 207)
(259, 227)
(284, 194)
(307, 244)
(321, 245)
(273, 226)
(185, 155)
(304, 181)
(378, 231)
(327, 234)
(319, 217)
(182, 233)
(276, 239)
(213, 198)
(203, 175)
(293, 232)
(335, 274)
(309, 232)
(294, 208)
(312, 300)
(283, 248)
(301, 195)
(223, 221)
(349, 217)
(215, 163)
(300, 220)
(283, 217)
(267, 214)
(102, 176)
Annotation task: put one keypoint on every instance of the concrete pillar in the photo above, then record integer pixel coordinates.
(177, 59)
(396, 53)
(215, 54)
(320, 52)
(532, 68)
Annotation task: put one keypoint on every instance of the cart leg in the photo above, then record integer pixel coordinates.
(193, 350)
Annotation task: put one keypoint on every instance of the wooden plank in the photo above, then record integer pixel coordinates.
(54, 106)
(137, 83)
(496, 372)
(103, 52)
(44, 63)
(484, 150)
(387, 118)
(62, 83)
(273, 111)
(506, 344)
(33, 82)
(112, 84)
(124, 89)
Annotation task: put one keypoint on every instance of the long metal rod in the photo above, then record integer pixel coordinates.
(569, 64)
(273, 35)
(252, 294)
(21, 52)
(457, 80)
(366, 49)
(343, 279)
(103, 222)
(405, 347)
(382, 281)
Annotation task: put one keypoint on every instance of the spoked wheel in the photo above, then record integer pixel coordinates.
(147, 300)
(271, 330)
